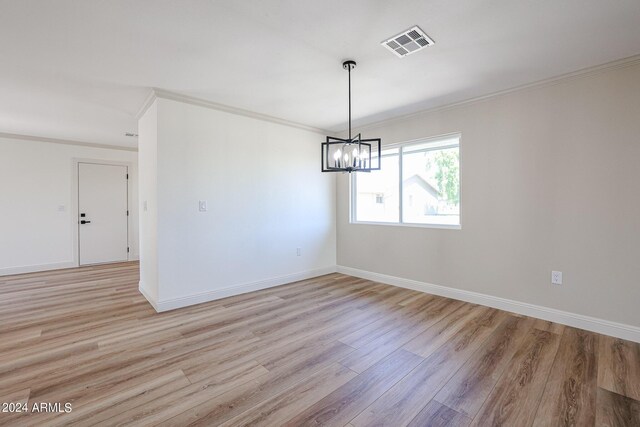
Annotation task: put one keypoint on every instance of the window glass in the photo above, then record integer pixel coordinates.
(422, 177)
(377, 192)
(431, 187)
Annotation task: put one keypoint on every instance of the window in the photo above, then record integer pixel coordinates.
(418, 184)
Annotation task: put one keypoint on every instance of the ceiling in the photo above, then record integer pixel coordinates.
(81, 69)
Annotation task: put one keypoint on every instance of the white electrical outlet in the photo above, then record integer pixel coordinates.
(202, 205)
(299, 251)
(144, 205)
(556, 277)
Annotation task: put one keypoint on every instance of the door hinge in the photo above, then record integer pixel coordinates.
(127, 213)
(127, 176)
(127, 249)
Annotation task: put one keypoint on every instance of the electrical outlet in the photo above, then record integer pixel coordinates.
(556, 277)
(202, 205)
(144, 205)
(299, 251)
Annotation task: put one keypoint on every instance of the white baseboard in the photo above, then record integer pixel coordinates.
(144, 293)
(7, 271)
(174, 303)
(606, 327)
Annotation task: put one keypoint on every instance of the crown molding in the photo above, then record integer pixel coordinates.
(65, 141)
(173, 96)
(552, 81)
(585, 72)
(146, 104)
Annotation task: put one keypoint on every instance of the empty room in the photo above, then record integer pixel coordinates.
(319, 213)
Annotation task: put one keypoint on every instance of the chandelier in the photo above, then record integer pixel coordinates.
(353, 154)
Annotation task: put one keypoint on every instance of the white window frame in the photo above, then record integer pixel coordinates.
(400, 146)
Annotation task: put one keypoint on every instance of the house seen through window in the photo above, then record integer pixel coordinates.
(419, 183)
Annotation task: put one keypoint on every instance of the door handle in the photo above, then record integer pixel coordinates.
(85, 222)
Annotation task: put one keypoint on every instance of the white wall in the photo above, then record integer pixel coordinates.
(266, 197)
(38, 219)
(550, 181)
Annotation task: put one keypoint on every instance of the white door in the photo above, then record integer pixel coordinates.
(102, 213)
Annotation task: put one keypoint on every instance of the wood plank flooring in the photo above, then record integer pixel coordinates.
(334, 350)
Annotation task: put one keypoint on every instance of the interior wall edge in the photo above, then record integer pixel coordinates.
(143, 291)
(593, 324)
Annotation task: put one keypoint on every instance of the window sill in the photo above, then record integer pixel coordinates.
(395, 224)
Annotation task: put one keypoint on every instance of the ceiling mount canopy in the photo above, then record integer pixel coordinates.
(353, 154)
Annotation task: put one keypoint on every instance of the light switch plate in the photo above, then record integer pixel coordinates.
(202, 205)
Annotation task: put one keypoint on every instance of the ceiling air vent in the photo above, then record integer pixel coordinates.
(408, 42)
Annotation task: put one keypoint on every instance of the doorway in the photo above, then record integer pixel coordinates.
(103, 213)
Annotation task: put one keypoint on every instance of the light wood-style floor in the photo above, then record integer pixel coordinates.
(334, 350)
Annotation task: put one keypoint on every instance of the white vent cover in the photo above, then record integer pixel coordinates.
(408, 42)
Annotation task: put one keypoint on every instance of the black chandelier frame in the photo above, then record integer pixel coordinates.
(334, 145)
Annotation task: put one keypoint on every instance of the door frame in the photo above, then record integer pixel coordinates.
(75, 203)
